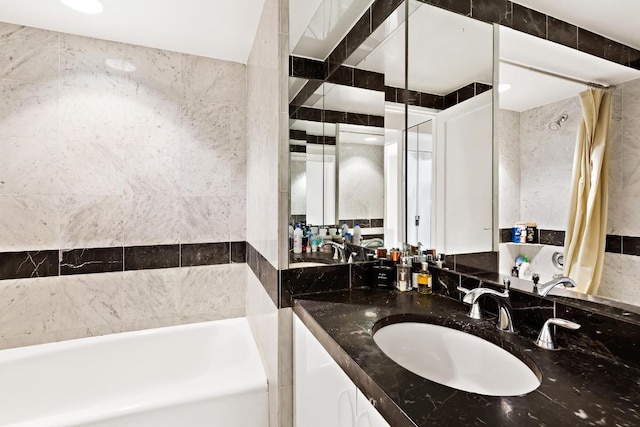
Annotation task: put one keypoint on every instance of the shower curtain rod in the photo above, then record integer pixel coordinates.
(552, 74)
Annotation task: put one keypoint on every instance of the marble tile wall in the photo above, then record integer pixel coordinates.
(99, 157)
(361, 178)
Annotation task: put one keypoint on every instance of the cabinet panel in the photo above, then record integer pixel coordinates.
(323, 394)
(367, 415)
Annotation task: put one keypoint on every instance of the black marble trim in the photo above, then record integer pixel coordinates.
(430, 100)
(293, 148)
(297, 135)
(266, 273)
(205, 254)
(524, 19)
(31, 264)
(23, 265)
(91, 260)
(329, 116)
(321, 140)
(151, 257)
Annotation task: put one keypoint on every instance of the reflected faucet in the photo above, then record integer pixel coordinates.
(339, 250)
(370, 242)
(544, 289)
(505, 319)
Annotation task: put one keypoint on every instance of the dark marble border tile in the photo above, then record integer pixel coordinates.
(91, 260)
(301, 281)
(238, 252)
(151, 257)
(266, 273)
(298, 135)
(529, 21)
(506, 235)
(551, 237)
(631, 245)
(614, 244)
(293, 148)
(498, 11)
(462, 7)
(194, 254)
(28, 264)
(562, 32)
(306, 68)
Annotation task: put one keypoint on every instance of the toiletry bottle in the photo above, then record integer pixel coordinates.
(357, 235)
(297, 240)
(345, 228)
(524, 272)
(309, 243)
(403, 275)
(416, 267)
(425, 286)
(314, 244)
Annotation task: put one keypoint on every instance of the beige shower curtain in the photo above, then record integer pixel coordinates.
(586, 231)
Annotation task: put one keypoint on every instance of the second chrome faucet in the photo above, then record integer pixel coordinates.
(505, 318)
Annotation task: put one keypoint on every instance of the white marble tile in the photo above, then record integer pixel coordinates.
(83, 60)
(216, 289)
(205, 173)
(238, 217)
(30, 223)
(151, 294)
(205, 126)
(204, 219)
(157, 72)
(615, 217)
(150, 170)
(89, 331)
(29, 110)
(93, 112)
(152, 220)
(630, 226)
(631, 175)
(90, 302)
(238, 131)
(91, 168)
(360, 182)
(91, 221)
(28, 339)
(213, 81)
(545, 195)
(28, 54)
(152, 323)
(619, 279)
(29, 307)
(149, 120)
(29, 166)
(92, 97)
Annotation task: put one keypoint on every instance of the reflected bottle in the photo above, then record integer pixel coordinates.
(425, 281)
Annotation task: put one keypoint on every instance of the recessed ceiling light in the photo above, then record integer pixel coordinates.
(120, 65)
(371, 139)
(503, 87)
(90, 7)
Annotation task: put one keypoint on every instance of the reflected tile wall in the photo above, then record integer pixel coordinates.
(96, 157)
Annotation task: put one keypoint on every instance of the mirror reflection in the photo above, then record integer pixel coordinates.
(421, 174)
(539, 119)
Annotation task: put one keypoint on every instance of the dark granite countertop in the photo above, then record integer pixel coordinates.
(578, 388)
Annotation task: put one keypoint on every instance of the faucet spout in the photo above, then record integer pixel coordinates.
(562, 280)
(339, 250)
(505, 318)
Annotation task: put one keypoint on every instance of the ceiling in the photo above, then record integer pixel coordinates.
(220, 29)
(615, 19)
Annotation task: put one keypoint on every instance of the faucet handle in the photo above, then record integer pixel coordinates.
(463, 290)
(506, 282)
(545, 338)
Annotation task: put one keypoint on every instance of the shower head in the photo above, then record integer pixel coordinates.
(558, 123)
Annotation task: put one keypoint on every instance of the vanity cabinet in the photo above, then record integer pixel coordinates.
(323, 394)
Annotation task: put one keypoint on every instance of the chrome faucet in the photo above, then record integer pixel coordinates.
(544, 289)
(339, 250)
(505, 319)
(545, 338)
(370, 242)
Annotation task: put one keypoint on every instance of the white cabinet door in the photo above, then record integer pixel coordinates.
(324, 396)
(367, 415)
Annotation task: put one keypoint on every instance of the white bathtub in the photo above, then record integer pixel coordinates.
(203, 374)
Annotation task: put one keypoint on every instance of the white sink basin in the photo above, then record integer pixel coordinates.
(456, 359)
(305, 264)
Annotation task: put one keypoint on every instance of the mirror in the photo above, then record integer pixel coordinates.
(538, 119)
(407, 155)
